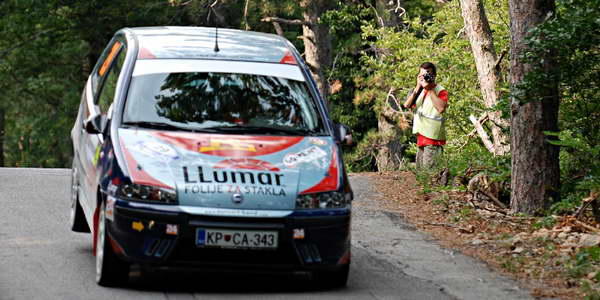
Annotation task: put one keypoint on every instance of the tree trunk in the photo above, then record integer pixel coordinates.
(393, 139)
(535, 170)
(482, 44)
(317, 42)
(246, 25)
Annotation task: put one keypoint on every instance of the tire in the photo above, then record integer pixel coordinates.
(110, 270)
(77, 218)
(332, 279)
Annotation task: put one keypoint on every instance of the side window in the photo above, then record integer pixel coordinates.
(110, 72)
(102, 65)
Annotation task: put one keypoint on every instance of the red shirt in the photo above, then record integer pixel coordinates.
(423, 141)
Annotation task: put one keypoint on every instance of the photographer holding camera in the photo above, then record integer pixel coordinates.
(430, 100)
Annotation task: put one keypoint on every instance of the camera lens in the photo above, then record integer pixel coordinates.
(428, 77)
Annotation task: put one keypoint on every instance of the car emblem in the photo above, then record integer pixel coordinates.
(237, 198)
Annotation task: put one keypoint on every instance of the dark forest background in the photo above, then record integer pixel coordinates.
(366, 56)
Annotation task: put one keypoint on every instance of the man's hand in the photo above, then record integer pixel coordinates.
(420, 82)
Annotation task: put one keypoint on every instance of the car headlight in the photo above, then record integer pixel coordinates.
(323, 200)
(147, 193)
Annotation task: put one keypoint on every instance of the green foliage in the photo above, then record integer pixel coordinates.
(584, 261)
(48, 47)
(579, 162)
(345, 24)
(363, 155)
(546, 222)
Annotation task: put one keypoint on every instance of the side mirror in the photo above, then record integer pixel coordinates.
(344, 134)
(95, 124)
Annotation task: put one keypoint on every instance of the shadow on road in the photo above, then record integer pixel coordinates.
(219, 283)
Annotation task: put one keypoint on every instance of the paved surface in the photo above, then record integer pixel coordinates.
(40, 258)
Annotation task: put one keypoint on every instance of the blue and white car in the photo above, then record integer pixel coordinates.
(198, 149)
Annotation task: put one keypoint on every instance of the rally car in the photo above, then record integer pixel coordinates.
(209, 149)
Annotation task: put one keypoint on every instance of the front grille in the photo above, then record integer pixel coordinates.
(309, 253)
(158, 247)
(186, 250)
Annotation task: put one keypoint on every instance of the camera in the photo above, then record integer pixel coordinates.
(429, 77)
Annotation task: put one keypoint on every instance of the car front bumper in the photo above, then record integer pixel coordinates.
(163, 237)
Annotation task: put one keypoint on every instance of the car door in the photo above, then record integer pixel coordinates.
(103, 83)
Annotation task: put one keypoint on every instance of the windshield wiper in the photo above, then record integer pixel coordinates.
(166, 126)
(265, 130)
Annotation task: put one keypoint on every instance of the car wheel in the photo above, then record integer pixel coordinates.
(77, 219)
(110, 270)
(332, 279)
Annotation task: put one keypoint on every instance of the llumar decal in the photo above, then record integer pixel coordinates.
(330, 182)
(137, 173)
(247, 180)
(155, 150)
(312, 154)
(233, 146)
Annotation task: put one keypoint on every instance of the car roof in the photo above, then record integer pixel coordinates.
(199, 43)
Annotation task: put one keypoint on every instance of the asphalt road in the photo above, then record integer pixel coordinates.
(40, 258)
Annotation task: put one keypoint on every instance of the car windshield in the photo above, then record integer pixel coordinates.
(222, 102)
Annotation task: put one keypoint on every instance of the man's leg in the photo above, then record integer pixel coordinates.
(419, 158)
(431, 156)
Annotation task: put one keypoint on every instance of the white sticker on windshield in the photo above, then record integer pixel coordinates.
(311, 154)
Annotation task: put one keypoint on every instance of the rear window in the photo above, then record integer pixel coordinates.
(202, 100)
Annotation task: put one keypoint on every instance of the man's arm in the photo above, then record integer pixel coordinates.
(410, 100)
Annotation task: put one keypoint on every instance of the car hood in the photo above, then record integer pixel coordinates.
(231, 171)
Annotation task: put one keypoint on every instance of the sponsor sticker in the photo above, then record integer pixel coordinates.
(227, 144)
(311, 154)
(96, 157)
(317, 141)
(299, 233)
(155, 150)
(172, 229)
(112, 188)
(110, 208)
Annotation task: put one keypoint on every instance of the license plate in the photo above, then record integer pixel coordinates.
(226, 238)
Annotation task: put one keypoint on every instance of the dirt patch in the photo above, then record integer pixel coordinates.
(553, 256)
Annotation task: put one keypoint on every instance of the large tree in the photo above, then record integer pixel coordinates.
(480, 36)
(534, 110)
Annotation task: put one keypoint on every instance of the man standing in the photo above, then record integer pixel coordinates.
(430, 100)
